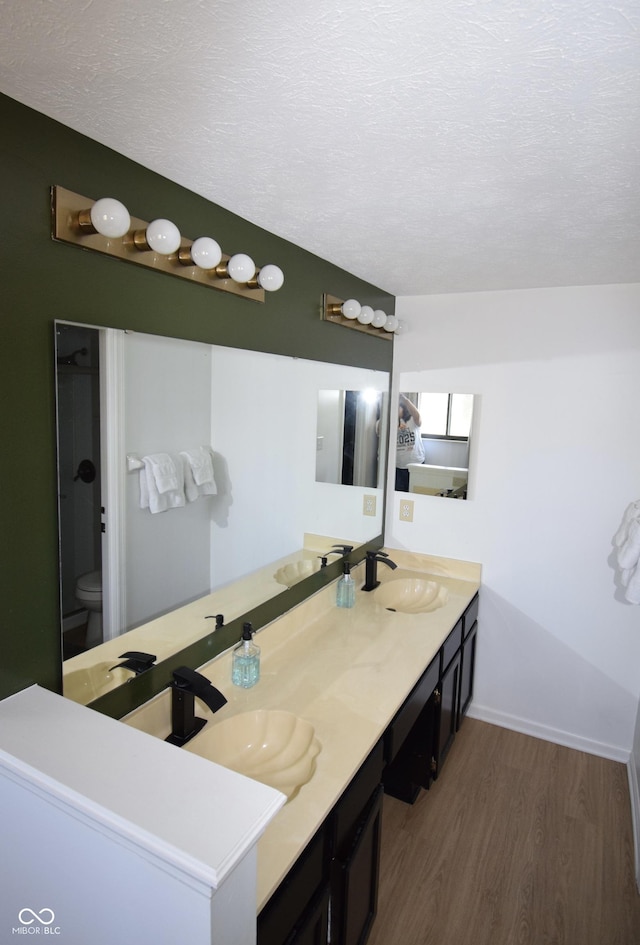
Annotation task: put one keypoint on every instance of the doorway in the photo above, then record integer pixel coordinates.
(79, 484)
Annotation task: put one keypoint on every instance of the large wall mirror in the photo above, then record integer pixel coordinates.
(259, 521)
(433, 443)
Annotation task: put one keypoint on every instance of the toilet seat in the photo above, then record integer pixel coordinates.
(89, 586)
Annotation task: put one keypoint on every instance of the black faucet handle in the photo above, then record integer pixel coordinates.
(343, 549)
(136, 661)
(186, 678)
(377, 554)
(199, 685)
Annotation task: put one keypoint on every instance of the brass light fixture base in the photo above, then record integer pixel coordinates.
(71, 224)
(330, 312)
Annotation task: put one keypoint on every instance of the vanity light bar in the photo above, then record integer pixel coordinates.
(351, 314)
(105, 226)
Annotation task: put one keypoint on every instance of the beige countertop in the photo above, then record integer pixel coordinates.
(91, 674)
(346, 671)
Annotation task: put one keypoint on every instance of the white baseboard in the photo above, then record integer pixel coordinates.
(634, 794)
(548, 734)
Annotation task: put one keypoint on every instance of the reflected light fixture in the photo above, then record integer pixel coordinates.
(351, 314)
(106, 226)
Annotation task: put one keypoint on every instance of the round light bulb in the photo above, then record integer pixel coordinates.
(271, 278)
(110, 218)
(379, 318)
(366, 315)
(391, 323)
(205, 252)
(241, 267)
(351, 308)
(163, 237)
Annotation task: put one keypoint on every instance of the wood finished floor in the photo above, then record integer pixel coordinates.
(519, 842)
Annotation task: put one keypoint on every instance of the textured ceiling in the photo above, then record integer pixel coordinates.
(424, 145)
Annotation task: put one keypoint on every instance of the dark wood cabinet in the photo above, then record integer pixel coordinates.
(467, 672)
(330, 894)
(312, 927)
(423, 731)
(292, 906)
(355, 879)
(449, 691)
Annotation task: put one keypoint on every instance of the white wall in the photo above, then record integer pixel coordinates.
(555, 460)
(264, 440)
(168, 409)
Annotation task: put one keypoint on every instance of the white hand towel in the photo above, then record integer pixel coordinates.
(201, 466)
(629, 552)
(632, 513)
(150, 496)
(196, 464)
(164, 472)
(632, 589)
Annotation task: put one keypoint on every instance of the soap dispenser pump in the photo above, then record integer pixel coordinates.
(245, 669)
(346, 588)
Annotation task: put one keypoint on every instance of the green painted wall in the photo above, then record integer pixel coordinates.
(43, 280)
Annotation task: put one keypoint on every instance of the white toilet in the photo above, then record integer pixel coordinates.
(89, 596)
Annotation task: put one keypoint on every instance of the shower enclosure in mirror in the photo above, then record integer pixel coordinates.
(265, 523)
(433, 443)
(348, 448)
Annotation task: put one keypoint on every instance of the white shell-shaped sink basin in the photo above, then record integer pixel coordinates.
(290, 574)
(411, 595)
(268, 745)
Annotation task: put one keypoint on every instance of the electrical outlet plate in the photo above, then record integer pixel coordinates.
(406, 510)
(369, 505)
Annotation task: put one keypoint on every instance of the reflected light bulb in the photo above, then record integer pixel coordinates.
(366, 315)
(163, 237)
(109, 217)
(271, 278)
(379, 318)
(205, 253)
(391, 323)
(351, 308)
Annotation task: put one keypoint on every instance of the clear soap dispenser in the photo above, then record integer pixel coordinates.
(245, 669)
(346, 588)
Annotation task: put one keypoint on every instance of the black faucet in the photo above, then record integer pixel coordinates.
(185, 686)
(135, 661)
(371, 568)
(341, 549)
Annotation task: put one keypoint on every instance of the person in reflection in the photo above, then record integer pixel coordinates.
(409, 448)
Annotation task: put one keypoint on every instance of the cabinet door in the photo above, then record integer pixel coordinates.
(355, 881)
(466, 673)
(449, 689)
(313, 926)
(281, 916)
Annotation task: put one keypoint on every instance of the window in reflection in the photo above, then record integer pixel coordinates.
(433, 441)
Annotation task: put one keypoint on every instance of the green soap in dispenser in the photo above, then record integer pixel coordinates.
(346, 588)
(245, 669)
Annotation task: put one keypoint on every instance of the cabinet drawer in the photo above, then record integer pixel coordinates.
(452, 644)
(283, 911)
(407, 715)
(470, 615)
(348, 811)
